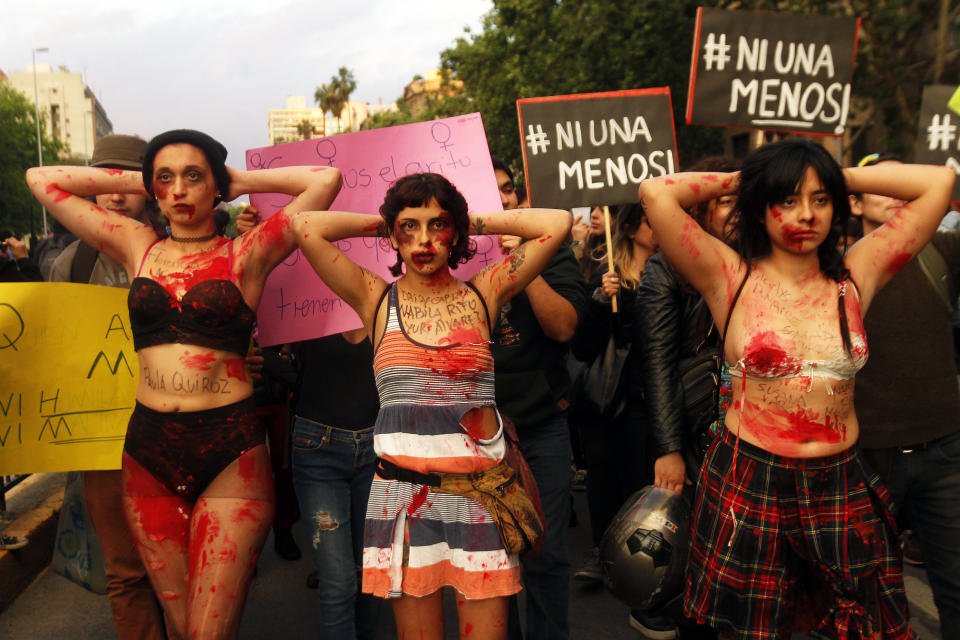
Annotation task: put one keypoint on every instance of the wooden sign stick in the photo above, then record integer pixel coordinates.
(606, 231)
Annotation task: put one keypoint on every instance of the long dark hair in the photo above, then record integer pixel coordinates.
(770, 174)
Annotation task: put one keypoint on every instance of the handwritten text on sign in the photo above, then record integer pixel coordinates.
(68, 377)
(296, 304)
(772, 71)
(938, 140)
(595, 148)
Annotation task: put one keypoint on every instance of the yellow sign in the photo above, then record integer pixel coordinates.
(68, 376)
(954, 102)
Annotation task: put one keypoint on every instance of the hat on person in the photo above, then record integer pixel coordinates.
(215, 152)
(119, 152)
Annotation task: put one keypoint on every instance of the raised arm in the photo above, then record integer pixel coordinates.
(880, 255)
(62, 192)
(708, 264)
(317, 231)
(543, 230)
(266, 245)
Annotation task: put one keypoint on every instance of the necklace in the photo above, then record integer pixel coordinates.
(192, 238)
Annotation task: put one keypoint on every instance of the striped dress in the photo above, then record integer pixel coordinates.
(451, 540)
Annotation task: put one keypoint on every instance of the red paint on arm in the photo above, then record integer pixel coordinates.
(112, 172)
(695, 188)
(711, 178)
(59, 194)
(898, 262)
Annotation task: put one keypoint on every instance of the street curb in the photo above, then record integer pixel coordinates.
(18, 568)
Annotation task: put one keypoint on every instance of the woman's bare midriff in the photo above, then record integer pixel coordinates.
(182, 377)
(794, 417)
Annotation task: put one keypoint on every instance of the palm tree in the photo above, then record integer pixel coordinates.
(334, 95)
(345, 85)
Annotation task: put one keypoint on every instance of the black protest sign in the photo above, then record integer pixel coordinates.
(938, 138)
(595, 148)
(764, 70)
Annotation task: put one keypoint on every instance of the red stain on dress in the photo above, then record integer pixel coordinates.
(418, 500)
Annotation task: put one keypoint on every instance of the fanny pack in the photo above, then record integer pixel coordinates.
(507, 490)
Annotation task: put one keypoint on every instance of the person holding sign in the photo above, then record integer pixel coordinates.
(198, 493)
(434, 375)
(790, 528)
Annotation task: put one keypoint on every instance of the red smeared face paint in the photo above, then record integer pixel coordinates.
(59, 194)
(795, 235)
(776, 213)
(199, 361)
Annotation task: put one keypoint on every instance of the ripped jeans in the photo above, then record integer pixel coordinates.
(332, 472)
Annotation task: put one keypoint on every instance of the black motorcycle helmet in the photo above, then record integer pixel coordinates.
(644, 550)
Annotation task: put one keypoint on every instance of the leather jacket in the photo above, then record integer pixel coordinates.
(673, 323)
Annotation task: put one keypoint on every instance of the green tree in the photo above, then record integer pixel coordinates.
(305, 129)
(333, 96)
(529, 48)
(19, 210)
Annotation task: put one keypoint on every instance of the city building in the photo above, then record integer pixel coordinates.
(286, 125)
(421, 90)
(73, 113)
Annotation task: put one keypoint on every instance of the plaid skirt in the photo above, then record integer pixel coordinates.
(793, 544)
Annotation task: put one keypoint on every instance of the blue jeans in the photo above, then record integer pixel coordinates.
(546, 578)
(332, 472)
(925, 486)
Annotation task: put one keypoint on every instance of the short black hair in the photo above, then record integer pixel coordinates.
(417, 190)
(215, 153)
(502, 166)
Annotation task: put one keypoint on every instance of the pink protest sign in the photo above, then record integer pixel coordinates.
(296, 304)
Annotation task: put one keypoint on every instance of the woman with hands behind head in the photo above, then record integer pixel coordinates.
(434, 374)
(197, 483)
(790, 528)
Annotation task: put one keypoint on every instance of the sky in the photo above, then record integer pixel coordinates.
(220, 65)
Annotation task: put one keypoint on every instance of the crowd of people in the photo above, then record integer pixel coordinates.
(807, 462)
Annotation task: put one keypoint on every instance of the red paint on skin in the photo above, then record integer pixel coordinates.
(160, 190)
(467, 629)
(793, 427)
(544, 239)
(199, 361)
(472, 422)
(898, 262)
(796, 235)
(777, 214)
(689, 237)
(248, 512)
(179, 282)
(317, 169)
(669, 181)
(169, 595)
(236, 368)
(247, 467)
(711, 178)
(726, 183)
(112, 172)
(461, 335)
(418, 500)
(60, 194)
(695, 188)
(766, 355)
